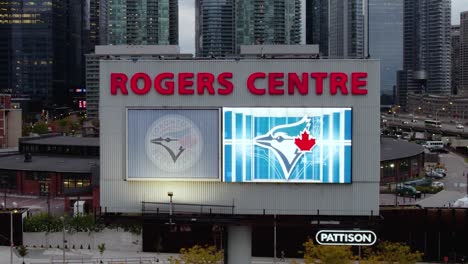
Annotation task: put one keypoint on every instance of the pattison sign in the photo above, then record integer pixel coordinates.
(206, 83)
(345, 237)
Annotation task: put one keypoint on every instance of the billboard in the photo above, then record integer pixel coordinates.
(308, 145)
(172, 144)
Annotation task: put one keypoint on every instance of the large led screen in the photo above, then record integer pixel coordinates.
(306, 145)
(173, 144)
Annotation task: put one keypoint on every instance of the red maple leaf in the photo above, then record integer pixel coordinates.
(305, 143)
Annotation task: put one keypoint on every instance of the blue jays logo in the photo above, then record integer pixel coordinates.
(286, 143)
(174, 143)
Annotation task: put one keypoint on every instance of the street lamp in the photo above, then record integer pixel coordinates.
(437, 112)
(63, 238)
(11, 235)
(170, 194)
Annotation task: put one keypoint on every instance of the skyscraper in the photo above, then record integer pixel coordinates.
(386, 42)
(215, 28)
(245, 22)
(339, 26)
(456, 60)
(43, 47)
(317, 24)
(464, 53)
(142, 22)
(426, 61)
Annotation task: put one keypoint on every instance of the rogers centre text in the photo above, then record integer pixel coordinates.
(205, 83)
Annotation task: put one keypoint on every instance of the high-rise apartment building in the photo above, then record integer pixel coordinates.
(223, 26)
(215, 28)
(427, 60)
(386, 42)
(339, 26)
(464, 53)
(456, 60)
(142, 22)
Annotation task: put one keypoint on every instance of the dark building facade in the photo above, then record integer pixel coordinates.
(426, 61)
(386, 41)
(464, 53)
(456, 59)
(148, 22)
(339, 26)
(43, 48)
(317, 24)
(223, 26)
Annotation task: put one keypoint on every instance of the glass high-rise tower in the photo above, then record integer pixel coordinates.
(427, 48)
(386, 42)
(142, 22)
(339, 27)
(223, 26)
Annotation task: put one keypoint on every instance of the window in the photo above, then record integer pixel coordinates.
(7, 179)
(76, 180)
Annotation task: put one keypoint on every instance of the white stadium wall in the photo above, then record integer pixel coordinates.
(229, 161)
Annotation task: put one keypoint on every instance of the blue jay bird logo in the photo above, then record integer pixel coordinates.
(281, 141)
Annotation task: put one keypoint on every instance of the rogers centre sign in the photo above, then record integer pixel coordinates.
(206, 83)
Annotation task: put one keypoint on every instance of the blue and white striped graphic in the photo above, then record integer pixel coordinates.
(259, 145)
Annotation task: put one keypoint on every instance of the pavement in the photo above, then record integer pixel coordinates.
(35, 203)
(457, 172)
(42, 256)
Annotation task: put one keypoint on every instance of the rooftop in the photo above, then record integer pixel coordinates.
(63, 141)
(48, 163)
(392, 149)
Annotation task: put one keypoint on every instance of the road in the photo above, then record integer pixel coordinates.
(36, 203)
(446, 125)
(457, 171)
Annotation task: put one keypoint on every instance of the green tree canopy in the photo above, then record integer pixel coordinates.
(199, 255)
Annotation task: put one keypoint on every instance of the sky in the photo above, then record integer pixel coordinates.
(187, 22)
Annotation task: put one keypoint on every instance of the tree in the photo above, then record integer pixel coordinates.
(22, 251)
(326, 254)
(199, 255)
(392, 252)
(101, 248)
(40, 128)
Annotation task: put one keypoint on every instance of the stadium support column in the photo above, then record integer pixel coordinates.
(239, 245)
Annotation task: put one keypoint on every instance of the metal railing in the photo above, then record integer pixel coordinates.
(185, 208)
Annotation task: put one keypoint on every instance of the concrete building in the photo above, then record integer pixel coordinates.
(10, 122)
(215, 137)
(223, 26)
(339, 25)
(426, 61)
(148, 22)
(112, 52)
(437, 106)
(386, 41)
(464, 53)
(456, 59)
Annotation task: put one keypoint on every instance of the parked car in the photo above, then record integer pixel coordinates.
(438, 150)
(384, 120)
(460, 126)
(414, 121)
(434, 174)
(404, 122)
(437, 184)
(441, 171)
(407, 190)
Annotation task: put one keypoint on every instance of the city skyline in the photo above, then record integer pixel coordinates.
(187, 18)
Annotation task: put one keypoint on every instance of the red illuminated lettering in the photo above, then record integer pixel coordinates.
(251, 83)
(118, 81)
(319, 78)
(185, 82)
(338, 80)
(168, 87)
(275, 80)
(146, 83)
(357, 83)
(205, 80)
(295, 82)
(228, 86)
